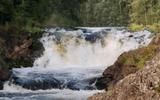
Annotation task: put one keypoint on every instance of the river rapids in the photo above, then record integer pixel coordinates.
(72, 61)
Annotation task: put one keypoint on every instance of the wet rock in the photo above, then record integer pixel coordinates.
(92, 37)
(86, 31)
(1, 85)
(72, 85)
(4, 75)
(79, 85)
(24, 52)
(18, 48)
(36, 49)
(90, 88)
(130, 36)
(35, 81)
(103, 82)
(113, 74)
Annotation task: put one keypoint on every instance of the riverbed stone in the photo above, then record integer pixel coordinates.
(35, 81)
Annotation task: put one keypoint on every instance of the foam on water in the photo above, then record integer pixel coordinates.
(14, 92)
(54, 94)
(77, 55)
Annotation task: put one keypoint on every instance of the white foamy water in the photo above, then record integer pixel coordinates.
(79, 53)
(14, 92)
(75, 55)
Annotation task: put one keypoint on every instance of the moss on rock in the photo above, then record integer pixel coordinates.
(138, 57)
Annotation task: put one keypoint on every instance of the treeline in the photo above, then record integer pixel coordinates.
(79, 12)
(24, 12)
(106, 12)
(145, 11)
(121, 12)
(37, 12)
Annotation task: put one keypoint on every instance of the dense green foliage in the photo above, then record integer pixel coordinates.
(35, 12)
(105, 12)
(24, 12)
(30, 13)
(145, 11)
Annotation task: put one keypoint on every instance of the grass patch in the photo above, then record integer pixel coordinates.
(157, 88)
(153, 28)
(109, 93)
(136, 27)
(32, 29)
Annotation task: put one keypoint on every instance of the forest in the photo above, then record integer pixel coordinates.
(40, 13)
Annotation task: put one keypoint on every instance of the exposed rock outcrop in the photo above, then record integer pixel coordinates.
(142, 85)
(128, 63)
(113, 74)
(133, 82)
(17, 48)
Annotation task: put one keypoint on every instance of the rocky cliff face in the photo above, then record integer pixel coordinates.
(128, 63)
(142, 85)
(17, 48)
(127, 82)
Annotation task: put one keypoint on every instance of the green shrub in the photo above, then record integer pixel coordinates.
(154, 27)
(136, 27)
(138, 57)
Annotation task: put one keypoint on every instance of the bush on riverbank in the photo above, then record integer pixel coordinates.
(153, 28)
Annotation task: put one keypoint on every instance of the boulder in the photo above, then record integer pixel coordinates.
(17, 48)
(113, 74)
(35, 81)
(1, 85)
(29, 78)
(79, 85)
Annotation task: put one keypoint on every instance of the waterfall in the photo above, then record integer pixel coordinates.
(73, 59)
(87, 48)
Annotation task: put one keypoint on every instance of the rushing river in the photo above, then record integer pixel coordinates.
(71, 62)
